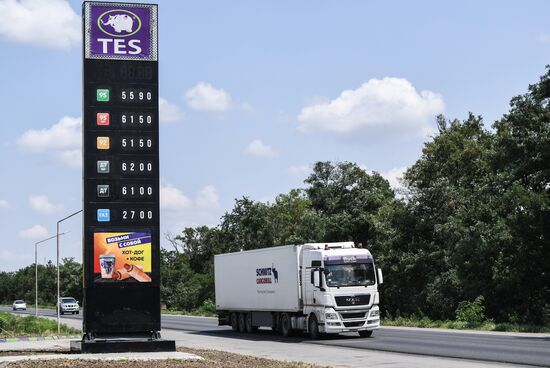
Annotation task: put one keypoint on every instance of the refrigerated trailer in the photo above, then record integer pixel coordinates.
(316, 288)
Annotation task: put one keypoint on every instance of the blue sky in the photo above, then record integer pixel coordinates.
(253, 93)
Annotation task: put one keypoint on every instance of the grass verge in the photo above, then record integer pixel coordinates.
(196, 312)
(23, 326)
(425, 322)
(211, 359)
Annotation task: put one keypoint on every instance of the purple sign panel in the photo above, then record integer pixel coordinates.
(120, 31)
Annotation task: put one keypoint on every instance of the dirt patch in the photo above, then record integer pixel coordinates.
(212, 359)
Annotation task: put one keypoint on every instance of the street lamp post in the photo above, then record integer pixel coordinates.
(36, 271)
(58, 296)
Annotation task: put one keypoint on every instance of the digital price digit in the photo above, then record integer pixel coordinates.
(136, 167)
(136, 143)
(136, 214)
(136, 120)
(135, 95)
(136, 191)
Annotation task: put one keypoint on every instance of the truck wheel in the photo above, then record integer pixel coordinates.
(249, 327)
(234, 321)
(365, 333)
(242, 323)
(313, 328)
(285, 325)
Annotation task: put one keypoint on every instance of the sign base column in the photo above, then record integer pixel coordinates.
(122, 344)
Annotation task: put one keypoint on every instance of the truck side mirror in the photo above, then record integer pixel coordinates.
(380, 276)
(316, 278)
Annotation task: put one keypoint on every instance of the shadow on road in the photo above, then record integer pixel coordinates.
(268, 335)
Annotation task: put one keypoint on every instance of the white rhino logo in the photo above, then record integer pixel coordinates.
(120, 22)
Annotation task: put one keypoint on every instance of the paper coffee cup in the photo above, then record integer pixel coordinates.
(107, 265)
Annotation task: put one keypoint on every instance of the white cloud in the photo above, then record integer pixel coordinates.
(208, 197)
(65, 134)
(63, 140)
(169, 112)
(394, 176)
(258, 148)
(35, 233)
(299, 171)
(379, 105)
(4, 203)
(41, 203)
(48, 23)
(173, 199)
(180, 211)
(71, 158)
(205, 97)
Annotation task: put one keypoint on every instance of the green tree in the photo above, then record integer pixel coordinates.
(346, 197)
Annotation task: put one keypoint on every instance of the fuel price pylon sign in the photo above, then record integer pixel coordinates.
(121, 171)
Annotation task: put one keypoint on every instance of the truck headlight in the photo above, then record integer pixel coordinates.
(331, 315)
(375, 313)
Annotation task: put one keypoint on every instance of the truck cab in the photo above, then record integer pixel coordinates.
(339, 285)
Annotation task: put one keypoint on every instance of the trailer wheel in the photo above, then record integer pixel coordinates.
(249, 327)
(285, 325)
(365, 333)
(313, 327)
(234, 322)
(242, 323)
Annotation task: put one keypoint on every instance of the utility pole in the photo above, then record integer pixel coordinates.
(36, 271)
(58, 296)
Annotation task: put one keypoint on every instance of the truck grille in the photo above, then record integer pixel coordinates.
(353, 315)
(352, 300)
(354, 324)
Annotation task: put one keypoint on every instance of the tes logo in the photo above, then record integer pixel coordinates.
(119, 26)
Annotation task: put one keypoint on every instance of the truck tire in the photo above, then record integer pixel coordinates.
(242, 323)
(365, 333)
(249, 327)
(286, 327)
(234, 321)
(313, 327)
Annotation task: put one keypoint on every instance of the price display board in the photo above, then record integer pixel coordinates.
(121, 170)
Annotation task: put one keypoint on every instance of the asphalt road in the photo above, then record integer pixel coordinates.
(503, 348)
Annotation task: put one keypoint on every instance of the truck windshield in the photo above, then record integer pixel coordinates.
(349, 274)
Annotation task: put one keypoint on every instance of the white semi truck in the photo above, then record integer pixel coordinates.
(315, 288)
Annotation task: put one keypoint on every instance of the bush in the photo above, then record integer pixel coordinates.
(208, 308)
(472, 313)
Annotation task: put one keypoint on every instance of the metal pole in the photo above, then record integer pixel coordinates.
(36, 280)
(58, 296)
(36, 270)
(57, 300)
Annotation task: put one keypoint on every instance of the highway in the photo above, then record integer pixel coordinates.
(525, 349)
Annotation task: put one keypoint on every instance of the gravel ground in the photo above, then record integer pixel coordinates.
(212, 359)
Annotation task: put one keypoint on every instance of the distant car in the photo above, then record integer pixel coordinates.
(19, 305)
(68, 305)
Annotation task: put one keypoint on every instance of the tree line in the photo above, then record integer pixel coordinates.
(470, 223)
(21, 283)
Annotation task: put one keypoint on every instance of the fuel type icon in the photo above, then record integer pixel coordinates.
(103, 143)
(102, 95)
